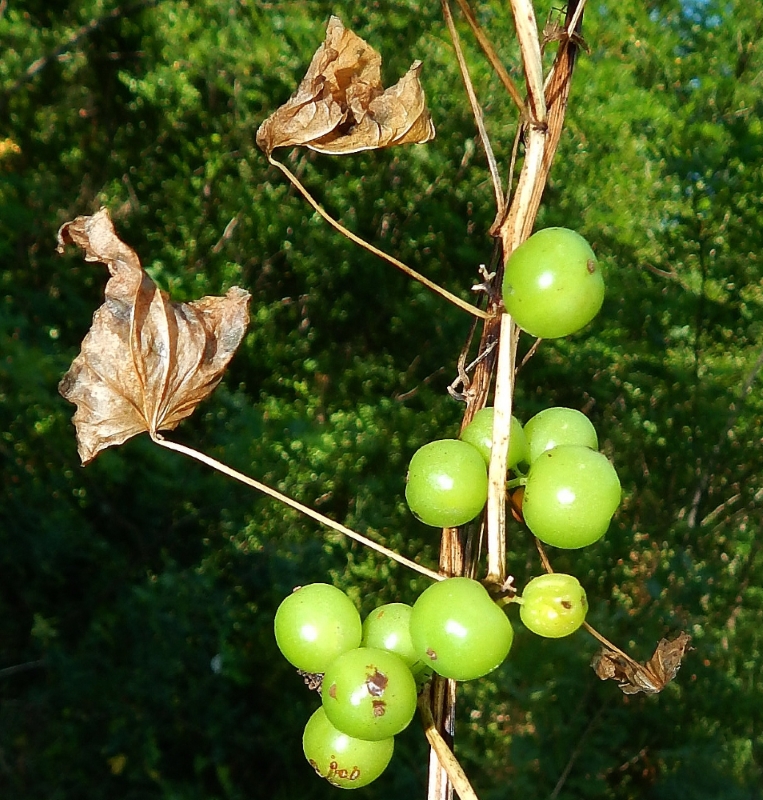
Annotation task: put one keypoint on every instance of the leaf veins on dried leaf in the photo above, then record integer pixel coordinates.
(651, 677)
(341, 106)
(146, 363)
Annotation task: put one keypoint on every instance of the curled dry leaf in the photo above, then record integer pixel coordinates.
(146, 363)
(341, 106)
(651, 677)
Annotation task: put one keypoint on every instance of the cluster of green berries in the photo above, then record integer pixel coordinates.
(373, 670)
(570, 490)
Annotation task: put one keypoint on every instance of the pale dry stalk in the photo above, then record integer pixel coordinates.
(545, 112)
(297, 506)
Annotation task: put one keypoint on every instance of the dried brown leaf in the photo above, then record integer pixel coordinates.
(146, 363)
(651, 677)
(341, 106)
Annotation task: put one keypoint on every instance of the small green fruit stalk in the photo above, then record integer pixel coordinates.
(552, 284)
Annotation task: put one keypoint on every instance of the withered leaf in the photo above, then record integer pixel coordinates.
(341, 106)
(651, 677)
(146, 362)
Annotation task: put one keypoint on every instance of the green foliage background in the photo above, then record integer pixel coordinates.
(139, 592)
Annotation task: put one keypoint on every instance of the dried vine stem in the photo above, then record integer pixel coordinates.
(529, 45)
(512, 231)
(544, 559)
(609, 645)
(503, 403)
(543, 142)
(543, 127)
(409, 271)
(442, 705)
(492, 56)
(444, 754)
(492, 164)
(297, 506)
